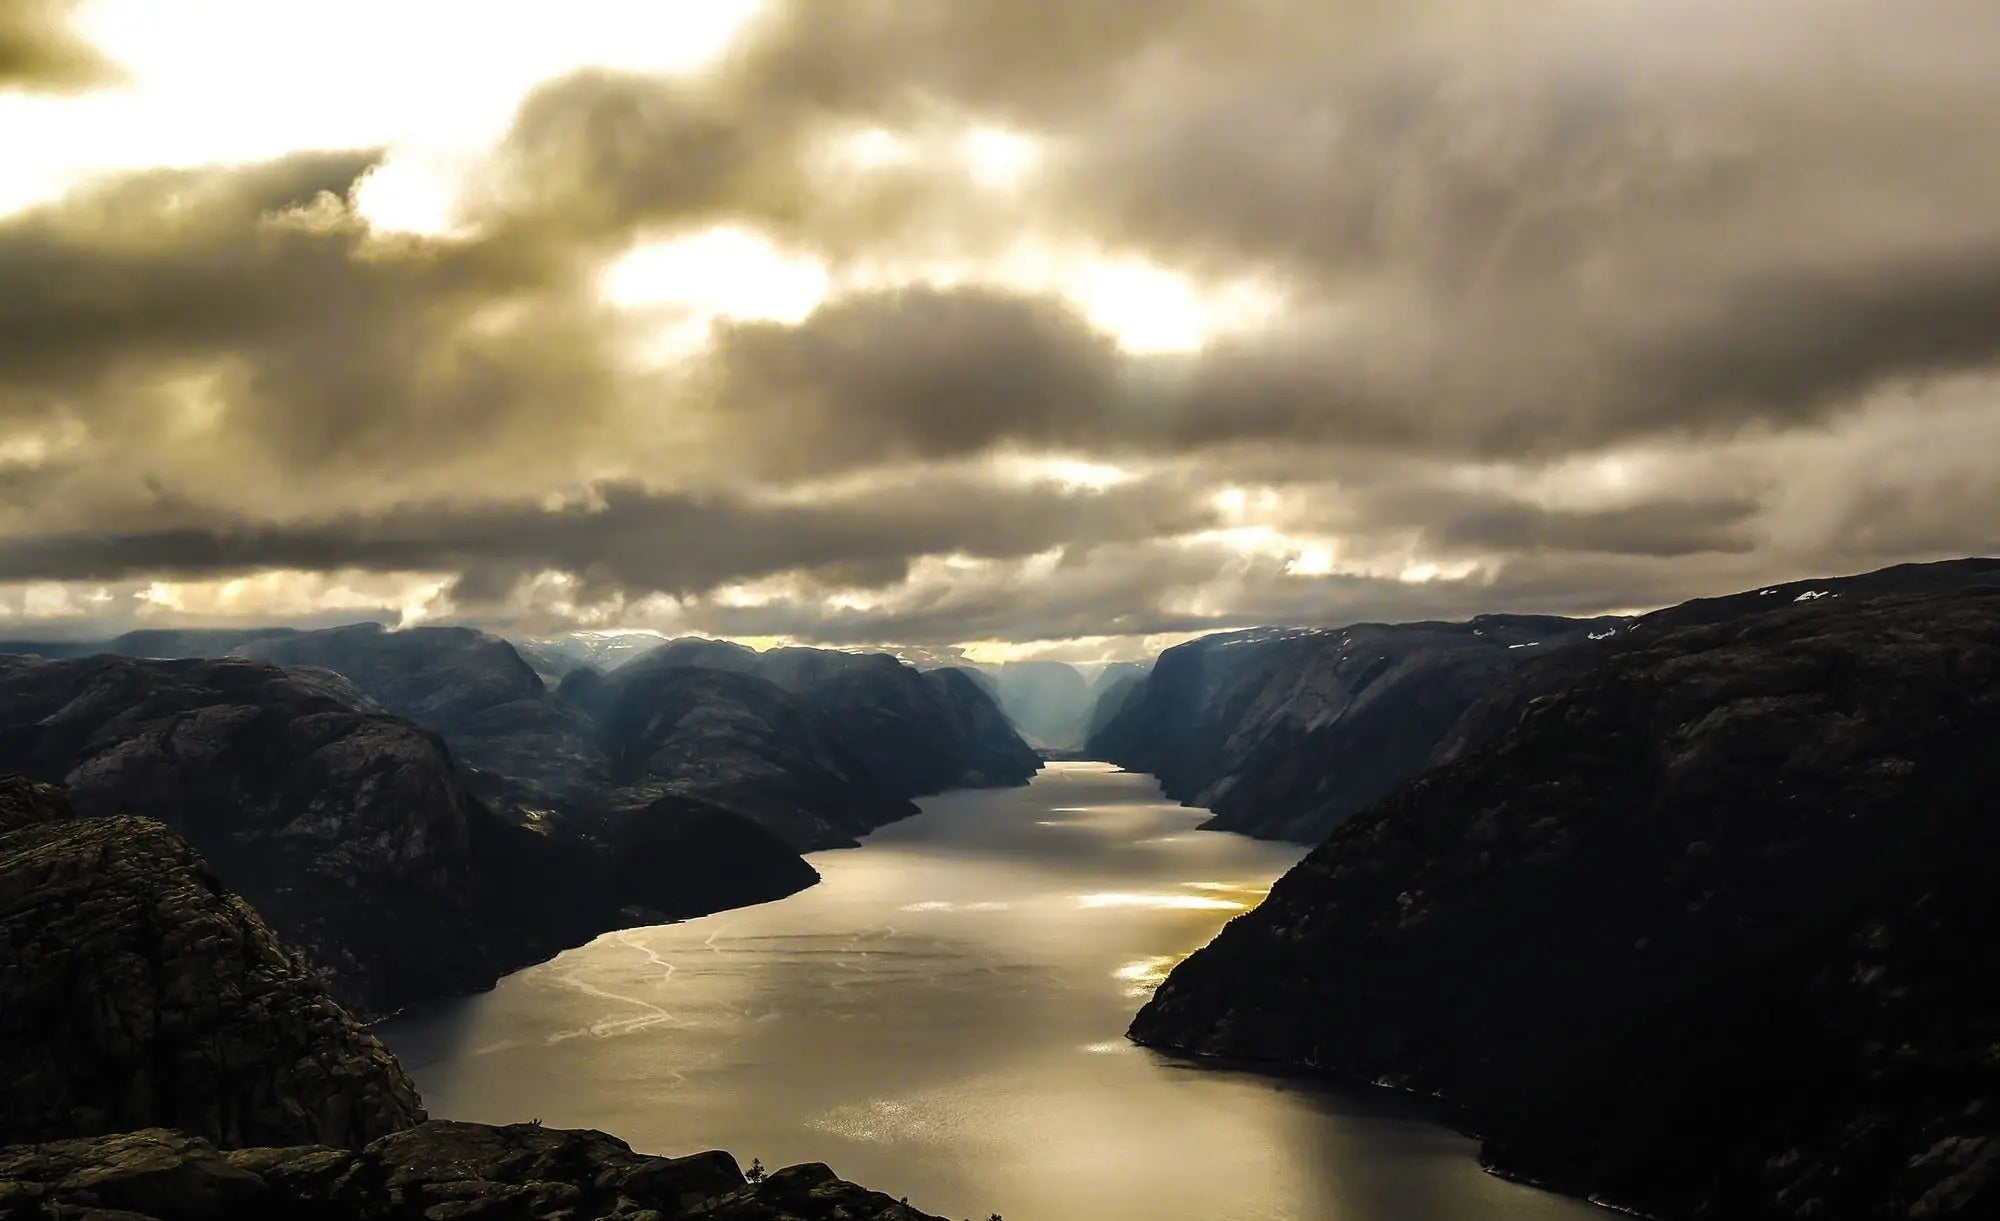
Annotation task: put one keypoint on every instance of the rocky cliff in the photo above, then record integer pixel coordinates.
(1285, 733)
(438, 1171)
(136, 991)
(352, 830)
(172, 1060)
(1702, 930)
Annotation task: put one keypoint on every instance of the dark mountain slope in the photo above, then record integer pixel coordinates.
(352, 830)
(135, 990)
(734, 739)
(1284, 733)
(1707, 931)
(913, 736)
(1504, 703)
(532, 751)
(992, 754)
(1114, 688)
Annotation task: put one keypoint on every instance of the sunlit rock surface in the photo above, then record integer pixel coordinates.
(1703, 930)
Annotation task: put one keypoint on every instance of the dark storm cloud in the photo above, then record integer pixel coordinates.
(39, 51)
(917, 373)
(314, 348)
(636, 542)
(1462, 523)
(1558, 228)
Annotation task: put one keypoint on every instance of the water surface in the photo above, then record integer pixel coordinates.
(942, 1018)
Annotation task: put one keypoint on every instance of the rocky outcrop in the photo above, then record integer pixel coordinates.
(136, 991)
(1284, 733)
(438, 1171)
(1703, 930)
(353, 831)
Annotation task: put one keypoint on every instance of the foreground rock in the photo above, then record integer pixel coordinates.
(1705, 931)
(135, 990)
(438, 1171)
(1285, 733)
(353, 831)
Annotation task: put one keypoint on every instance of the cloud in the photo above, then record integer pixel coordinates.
(38, 50)
(1569, 306)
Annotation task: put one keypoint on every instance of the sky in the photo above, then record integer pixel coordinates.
(1062, 330)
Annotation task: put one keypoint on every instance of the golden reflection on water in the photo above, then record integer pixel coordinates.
(1141, 976)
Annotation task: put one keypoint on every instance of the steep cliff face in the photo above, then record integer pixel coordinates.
(136, 991)
(1113, 690)
(1285, 733)
(1702, 930)
(993, 754)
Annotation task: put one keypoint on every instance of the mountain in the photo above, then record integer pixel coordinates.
(734, 739)
(1114, 686)
(168, 1059)
(994, 755)
(154, 643)
(530, 750)
(1505, 703)
(1703, 930)
(1285, 733)
(898, 724)
(818, 745)
(136, 992)
(352, 830)
(923, 732)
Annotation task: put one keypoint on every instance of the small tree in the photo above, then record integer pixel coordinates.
(756, 1172)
